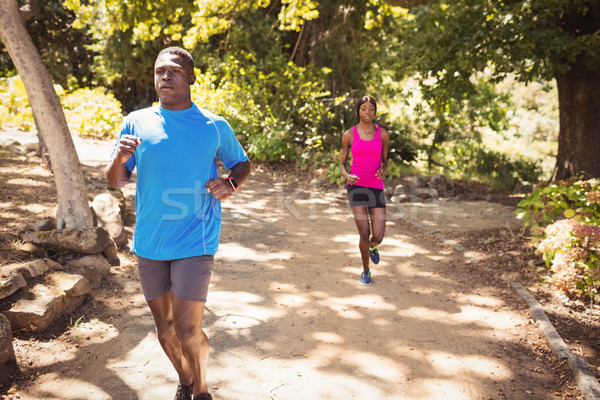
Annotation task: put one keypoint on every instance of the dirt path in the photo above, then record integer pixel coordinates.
(287, 318)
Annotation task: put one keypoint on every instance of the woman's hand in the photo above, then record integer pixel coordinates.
(352, 179)
(381, 173)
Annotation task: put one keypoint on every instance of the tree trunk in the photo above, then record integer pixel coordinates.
(579, 135)
(73, 208)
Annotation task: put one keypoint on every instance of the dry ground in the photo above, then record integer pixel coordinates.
(286, 316)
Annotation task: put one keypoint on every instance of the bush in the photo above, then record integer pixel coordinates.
(92, 113)
(564, 218)
(571, 249)
(89, 112)
(498, 169)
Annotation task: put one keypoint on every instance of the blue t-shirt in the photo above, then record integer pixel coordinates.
(176, 216)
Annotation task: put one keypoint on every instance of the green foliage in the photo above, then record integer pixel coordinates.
(572, 198)
(565, 223)
(63, 49)
(498, 169)
(92, 112)
(14, 105)
(89, 112)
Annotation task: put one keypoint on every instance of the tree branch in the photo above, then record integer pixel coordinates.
(29, 10)
(406, 3)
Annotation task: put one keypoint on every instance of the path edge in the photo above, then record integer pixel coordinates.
(587, 382)
(585, 379)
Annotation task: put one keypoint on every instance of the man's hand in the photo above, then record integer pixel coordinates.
(126, 147)
(219, 188)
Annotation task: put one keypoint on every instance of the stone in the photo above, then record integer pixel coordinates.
(31, 147)
(108, 216)
(441, 185)
(46, 224)
(31, 269)
(11, 284)
(426, 193)
(32, 249)
(81, 241)
(112, 254)
(7, 352)
(59, 294)
(401, 198)
(96, 262)
(492, 198)
(466, 197)
(400, 190)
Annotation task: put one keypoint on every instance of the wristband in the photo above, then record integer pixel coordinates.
(233, 183)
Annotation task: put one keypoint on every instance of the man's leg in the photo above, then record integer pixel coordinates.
(162, 311)
(194, 342)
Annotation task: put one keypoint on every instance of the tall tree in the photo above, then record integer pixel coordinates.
(73, 208)
(450, 43)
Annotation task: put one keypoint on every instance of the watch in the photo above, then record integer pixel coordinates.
(233, 183)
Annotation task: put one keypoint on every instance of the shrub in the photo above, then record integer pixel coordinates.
(565, 218)
(92, 113)
(89, 112)
(571, 249)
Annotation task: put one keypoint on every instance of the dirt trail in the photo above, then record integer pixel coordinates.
(287, 318)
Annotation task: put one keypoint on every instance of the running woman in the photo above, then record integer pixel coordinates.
(369, 146)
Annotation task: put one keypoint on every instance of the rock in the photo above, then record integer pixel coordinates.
(11, 145)
(59, 294)
(418, 181)
(10, 284)
(7, 352)
(31, 269)
(46, 224)
(81, 241)
(32, 249)
(438, 182)
(400, 190)
(441, 185)
(32, 147)
(108, 215)
(96, 262)
(426, 193)
(466, 197)
(402, 198)
(112, 254)
(492, 198)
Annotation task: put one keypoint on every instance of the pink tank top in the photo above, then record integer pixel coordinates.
(366, 159)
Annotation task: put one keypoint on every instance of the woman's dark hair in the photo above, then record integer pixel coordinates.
(364, 100)
(178, 51)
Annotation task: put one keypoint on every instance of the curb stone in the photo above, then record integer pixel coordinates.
(586, 381)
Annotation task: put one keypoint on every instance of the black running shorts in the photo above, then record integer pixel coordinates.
(360, 196)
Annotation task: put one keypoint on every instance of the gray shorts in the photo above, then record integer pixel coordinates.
(188, 278)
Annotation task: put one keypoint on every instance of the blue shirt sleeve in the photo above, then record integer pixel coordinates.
(230, 151)
(131, 162)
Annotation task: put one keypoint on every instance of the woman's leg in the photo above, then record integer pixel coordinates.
(361, 218)
(378, 217)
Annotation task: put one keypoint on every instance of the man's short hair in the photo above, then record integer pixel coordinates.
(183, 53)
